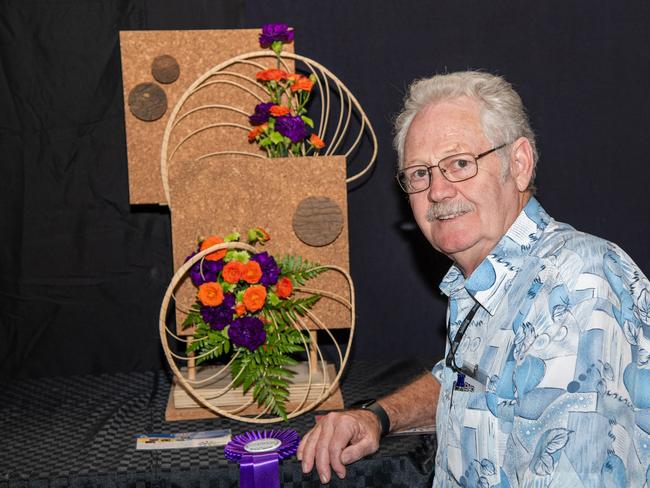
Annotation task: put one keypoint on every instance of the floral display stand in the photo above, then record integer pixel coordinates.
(190, 99)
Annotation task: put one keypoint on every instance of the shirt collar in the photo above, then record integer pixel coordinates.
(492, 278)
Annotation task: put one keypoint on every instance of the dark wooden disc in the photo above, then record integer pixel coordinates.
(317, 221)
(165, 69)
(147, 101)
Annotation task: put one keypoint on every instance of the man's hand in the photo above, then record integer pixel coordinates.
(338, 439)
(342, 438)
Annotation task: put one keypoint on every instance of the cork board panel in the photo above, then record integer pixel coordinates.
(225, 194)
(196, 52)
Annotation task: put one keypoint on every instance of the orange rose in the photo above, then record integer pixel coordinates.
(316, 141)
(240, 309)
(254, 298)
(232, 271)
(209, 242)
(301, 83)
(252, 272)
(210, 294)
(284, 288)
(271, 75)
(278, 110)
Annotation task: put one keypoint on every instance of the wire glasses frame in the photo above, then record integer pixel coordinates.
(454, 168)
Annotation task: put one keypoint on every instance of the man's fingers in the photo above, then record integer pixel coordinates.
(342, 436)
(355, 452)
(322, 451)
(301, 447)
(307, 449)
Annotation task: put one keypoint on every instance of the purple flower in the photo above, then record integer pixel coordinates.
(292, 127)
(220, 316)
(275, 32)
(261, 114)
(247, 332)
(204, 271)
(270, 269)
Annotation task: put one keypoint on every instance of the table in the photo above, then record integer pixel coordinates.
(80, 432)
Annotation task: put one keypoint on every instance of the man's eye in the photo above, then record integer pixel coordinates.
(460, 164)
(419, 173)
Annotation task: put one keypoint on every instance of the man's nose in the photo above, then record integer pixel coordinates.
(441, 188)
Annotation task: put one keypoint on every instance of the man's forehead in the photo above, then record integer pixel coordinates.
(444, 128)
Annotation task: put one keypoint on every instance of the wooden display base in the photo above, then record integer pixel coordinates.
(182, 406)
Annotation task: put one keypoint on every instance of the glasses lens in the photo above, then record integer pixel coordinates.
(414, 178)
(459, 167)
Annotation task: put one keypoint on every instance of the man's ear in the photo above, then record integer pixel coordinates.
(521, 163)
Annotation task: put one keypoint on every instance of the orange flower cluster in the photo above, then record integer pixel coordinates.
(256, 131)
(254, 298)
(272, 75)
(251, 272)
(209, 242)
(300, 83)
(210, 294)
(316, 141)
(279, 110)
(284, 288)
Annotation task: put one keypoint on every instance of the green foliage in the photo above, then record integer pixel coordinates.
(287, 311)
(193, 318)
(266, 370)
(299, 270)
(232, 237)
(234, 255)
(206, 343)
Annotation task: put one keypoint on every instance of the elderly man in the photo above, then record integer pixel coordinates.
(546, 380)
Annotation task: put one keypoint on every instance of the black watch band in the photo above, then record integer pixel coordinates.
(381, 414)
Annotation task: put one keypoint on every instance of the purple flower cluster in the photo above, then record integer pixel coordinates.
(261, 114)
(247, 332)
(275, 32)
(221, 316)
(292, 127)
(270, 268)
(203, 270)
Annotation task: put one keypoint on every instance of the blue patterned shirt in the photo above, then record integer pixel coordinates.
(559, 394)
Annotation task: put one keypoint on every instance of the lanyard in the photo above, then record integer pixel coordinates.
(450, 360)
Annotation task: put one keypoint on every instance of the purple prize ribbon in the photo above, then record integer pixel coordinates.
(259, 453)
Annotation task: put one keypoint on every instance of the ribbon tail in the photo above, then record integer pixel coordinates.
(259, 471)
(247, 472)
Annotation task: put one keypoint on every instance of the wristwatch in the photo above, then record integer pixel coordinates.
(381, 414)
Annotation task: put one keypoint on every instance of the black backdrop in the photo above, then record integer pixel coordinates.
(82, 273)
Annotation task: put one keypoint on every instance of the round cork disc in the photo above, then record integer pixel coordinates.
(317, 221)
(147, 101)
(165, 69)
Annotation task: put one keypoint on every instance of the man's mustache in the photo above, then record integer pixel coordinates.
(442, 209)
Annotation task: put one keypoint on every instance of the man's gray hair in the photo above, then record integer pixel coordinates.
(502, 113)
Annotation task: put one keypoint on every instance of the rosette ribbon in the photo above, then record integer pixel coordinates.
(259, 453)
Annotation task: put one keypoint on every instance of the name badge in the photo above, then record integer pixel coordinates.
(467, 384)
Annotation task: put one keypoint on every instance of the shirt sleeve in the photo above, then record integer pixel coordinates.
(437, 370)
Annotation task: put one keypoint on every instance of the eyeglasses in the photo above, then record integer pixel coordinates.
(459, 167)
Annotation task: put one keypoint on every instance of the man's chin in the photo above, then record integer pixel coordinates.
(453, 245)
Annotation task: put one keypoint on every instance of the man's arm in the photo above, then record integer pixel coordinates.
(342, 438)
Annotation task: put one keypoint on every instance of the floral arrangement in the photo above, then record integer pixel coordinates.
(246, 310)
(281, 126)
